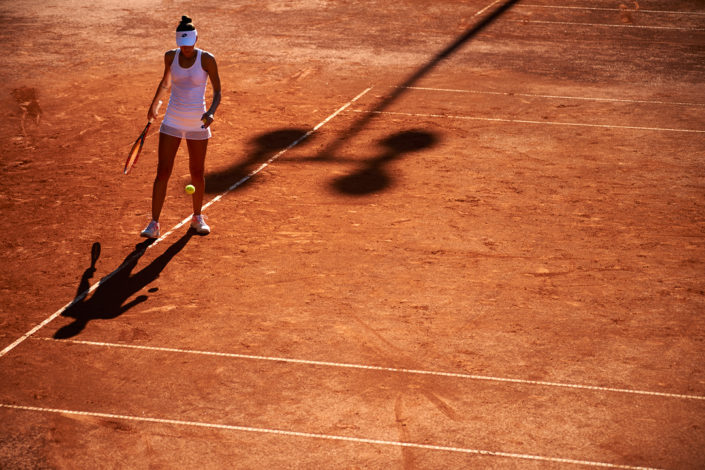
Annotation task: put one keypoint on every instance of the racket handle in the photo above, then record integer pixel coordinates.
(156, 110)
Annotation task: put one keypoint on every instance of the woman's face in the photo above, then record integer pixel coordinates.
(188, 51)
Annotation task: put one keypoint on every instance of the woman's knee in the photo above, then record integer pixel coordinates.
(163, 172)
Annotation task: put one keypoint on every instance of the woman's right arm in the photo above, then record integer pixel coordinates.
(164, 85)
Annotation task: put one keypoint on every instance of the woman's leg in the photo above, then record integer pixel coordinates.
(197, 158)
(168, 146)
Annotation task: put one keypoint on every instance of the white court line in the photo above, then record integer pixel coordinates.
(532, 95)
(523, 121)
(486, 8)
(83, 294)
(673, 28)
(612, 9)
(330, 437)
(380, 368)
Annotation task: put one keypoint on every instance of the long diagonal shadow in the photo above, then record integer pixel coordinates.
(328, 153)
(110, 298)
(371, 177)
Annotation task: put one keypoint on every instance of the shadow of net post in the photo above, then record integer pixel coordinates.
(265, 146)
(373, 176)
(110, 298)
(329, 151)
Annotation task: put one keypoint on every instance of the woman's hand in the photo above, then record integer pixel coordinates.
(207, 119)
(153, 110)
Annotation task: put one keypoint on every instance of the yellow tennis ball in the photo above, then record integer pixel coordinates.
(190, 189)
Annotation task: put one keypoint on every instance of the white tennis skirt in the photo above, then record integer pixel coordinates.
(190, 134)
(184, 120)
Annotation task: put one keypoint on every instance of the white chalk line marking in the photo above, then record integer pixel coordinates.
(486, 8)
(524, 121)
(560, 97)
(83, 294)
(379, 368)
(612, 9)
(330, 437)
(607, 25)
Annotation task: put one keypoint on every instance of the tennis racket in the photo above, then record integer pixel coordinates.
(137, 146)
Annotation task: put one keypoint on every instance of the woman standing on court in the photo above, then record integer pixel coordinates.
(186, 73)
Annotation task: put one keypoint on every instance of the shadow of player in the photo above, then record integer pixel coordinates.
(265, 147)
(110, 298)
(373, 177)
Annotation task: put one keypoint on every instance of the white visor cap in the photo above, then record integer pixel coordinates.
(186, 38)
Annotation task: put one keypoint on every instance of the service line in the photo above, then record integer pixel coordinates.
(395, 370)
(524, 121)
(330, 437)
(83, 294)
(630, 10)
(607, 25)
(561, 97)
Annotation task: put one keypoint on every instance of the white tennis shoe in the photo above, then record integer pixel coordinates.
(200, 225)
(152, 230)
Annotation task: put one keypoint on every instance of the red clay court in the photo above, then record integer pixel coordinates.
(445, 235)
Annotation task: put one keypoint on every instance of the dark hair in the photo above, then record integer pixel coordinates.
(186, 24)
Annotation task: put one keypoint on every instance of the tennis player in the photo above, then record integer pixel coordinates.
(186, 73)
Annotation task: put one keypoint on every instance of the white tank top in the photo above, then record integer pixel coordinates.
(187, 102)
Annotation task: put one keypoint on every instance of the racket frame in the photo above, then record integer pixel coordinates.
(139, 143)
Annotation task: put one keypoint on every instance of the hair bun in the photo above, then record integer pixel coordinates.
(186, 24)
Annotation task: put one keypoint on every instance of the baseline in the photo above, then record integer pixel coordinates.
(381, 369)
(83, 294)
(330, 437)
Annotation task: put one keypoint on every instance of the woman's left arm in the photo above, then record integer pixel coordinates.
(211, 68)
